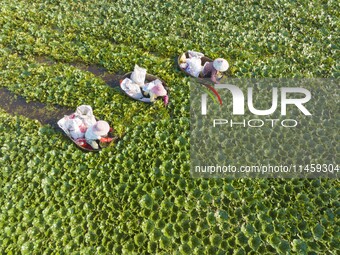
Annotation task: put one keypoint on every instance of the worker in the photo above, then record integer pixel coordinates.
(98, 133)
(215, 69)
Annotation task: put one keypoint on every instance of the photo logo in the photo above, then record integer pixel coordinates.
(238, 100)
(270, 127)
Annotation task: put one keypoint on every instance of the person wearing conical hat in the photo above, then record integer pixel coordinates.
(215, 68)
(98, 132)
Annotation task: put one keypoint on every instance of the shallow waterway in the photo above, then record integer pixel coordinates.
(45, 114)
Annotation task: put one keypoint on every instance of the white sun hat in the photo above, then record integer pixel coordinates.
(101, 128)
(220, 64)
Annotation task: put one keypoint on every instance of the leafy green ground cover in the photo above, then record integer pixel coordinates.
(137, 197)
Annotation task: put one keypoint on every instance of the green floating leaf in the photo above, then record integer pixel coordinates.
(211, 219)
(169, 230)
(248, 230)
(215, 240)
(241, 239)
(195, 242)
(129, 247)
(274, 240)
(299, 246)
(239, 251)
(268, 228)
(157, 193)
(146, 201)
(156, 235)
(318, 232)
(27, 248)
(165, 242)
(152, 247)
(179, 201)
(222, 215)
(148, 226)
(139, 239)
(284, 247)
(185, 249)
(254, 242)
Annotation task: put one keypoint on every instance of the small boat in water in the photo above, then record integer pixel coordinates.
(140, 96)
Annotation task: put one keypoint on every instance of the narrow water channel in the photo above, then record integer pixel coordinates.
(111, 79)
(45, 114)
(50, 114)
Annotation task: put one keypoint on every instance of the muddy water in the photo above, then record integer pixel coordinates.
(48, 114)
(111, 79)
(45, 114)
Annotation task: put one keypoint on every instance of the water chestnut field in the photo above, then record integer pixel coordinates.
(137, 196)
